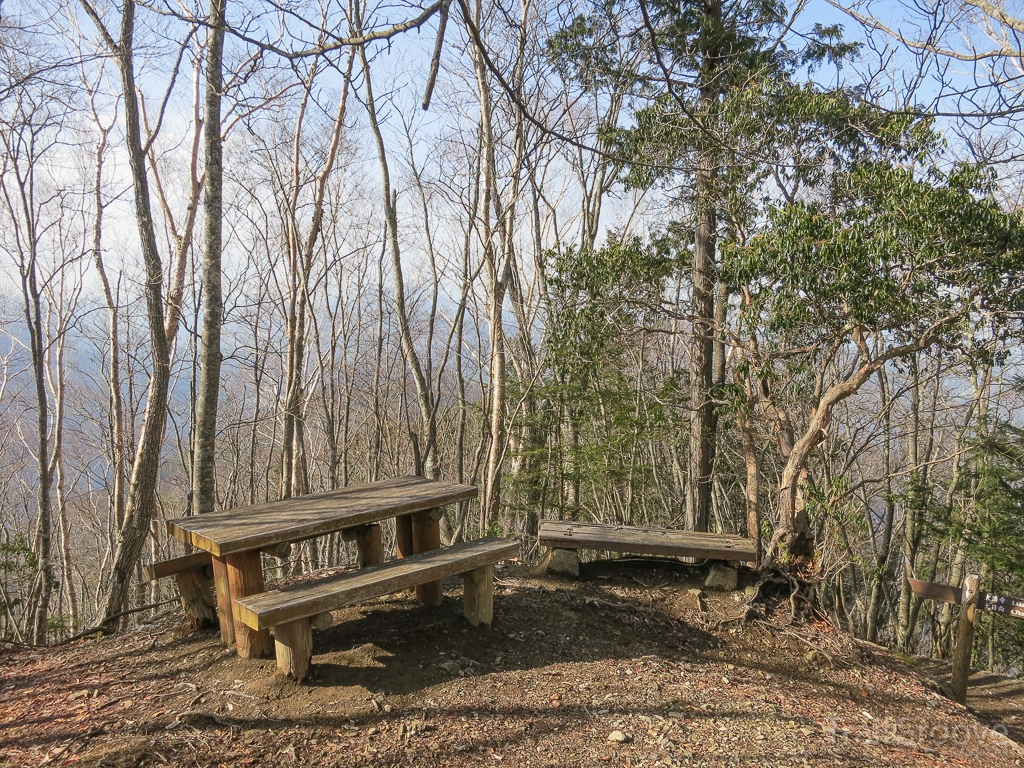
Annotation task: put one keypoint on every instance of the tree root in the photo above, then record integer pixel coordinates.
(776, 586)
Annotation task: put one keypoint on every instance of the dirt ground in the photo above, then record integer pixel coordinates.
(631, 665)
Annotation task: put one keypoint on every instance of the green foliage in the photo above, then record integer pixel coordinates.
(995, 479)
(16, 556)
(889, 249)
(598, 298)
(598, 404)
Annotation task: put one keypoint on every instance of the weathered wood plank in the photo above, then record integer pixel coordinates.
(930, 590)
(302, 600)
(176, 565)
(305, 517)
(646, 541)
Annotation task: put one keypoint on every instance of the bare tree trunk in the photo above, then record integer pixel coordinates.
(141, 501)
(424, 397)
(204, 488)
(42, 590)
(118, 439)
(880, 576)
(702, 349)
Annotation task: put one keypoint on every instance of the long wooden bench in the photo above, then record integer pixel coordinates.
(291, 611)
(646, 541)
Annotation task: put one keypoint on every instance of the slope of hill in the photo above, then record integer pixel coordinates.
(631, 666)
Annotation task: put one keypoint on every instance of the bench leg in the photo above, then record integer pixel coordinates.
(222, 589)
(293, 643)
(478, 596)
(196, 592)
(565, 562)
(245, 577)
(426, 536)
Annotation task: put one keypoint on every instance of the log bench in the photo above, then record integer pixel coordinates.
(293, 611)
(646, 541)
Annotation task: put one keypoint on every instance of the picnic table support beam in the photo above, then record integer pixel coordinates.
(369, 543)
(245, 577)
(223, 593)
(426, 535)
(196, 590)
(478, 596)
(403, 536)
(964, 650)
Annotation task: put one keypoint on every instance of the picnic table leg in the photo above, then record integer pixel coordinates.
(223, 591)
(370, 546)
(245, 577)
(368, 543)
(403, 535)
(426, 535)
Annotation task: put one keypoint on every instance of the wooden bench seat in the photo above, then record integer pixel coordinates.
(194, 576)
(646, 541)
(290, 610)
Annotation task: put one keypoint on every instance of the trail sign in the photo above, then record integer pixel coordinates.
(944, 593)
(971, 599)
(1008, 606)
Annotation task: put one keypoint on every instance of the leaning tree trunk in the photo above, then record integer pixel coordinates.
(424, 396)
(141, 500)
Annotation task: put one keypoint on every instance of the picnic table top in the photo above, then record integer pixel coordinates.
(304, 517)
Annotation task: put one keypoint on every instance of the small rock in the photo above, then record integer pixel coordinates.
(722, 577)
(419, 726)
(565, 562)
(618, 737)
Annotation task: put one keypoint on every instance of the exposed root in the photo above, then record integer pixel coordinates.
(777, 585)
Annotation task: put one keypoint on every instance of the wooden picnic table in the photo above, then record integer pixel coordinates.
(235, 537)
